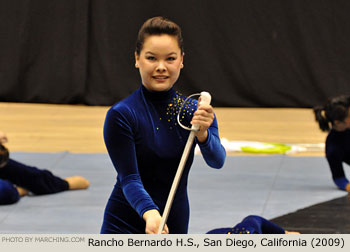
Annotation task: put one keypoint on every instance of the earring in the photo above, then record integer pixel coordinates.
(136, 65)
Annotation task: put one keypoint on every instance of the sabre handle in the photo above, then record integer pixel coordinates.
(205, 100)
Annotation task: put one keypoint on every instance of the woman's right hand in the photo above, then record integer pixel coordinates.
(152, 218)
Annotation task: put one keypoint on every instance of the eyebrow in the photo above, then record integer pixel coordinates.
(149, 52)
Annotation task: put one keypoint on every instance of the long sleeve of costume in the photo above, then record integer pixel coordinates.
(334, 158)
(337, 152)
(212, 150)
(120, 144)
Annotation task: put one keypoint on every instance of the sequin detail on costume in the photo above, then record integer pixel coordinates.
(239, 230)
(174, 107)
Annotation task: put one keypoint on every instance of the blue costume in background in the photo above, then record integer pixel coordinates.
(251, 224)
(337, 152)
(31, 178)
(145, 144)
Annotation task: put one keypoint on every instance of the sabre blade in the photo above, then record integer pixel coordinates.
(205, 99)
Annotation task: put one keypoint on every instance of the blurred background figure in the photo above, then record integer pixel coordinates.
(334, 117)
(252, 224)
(17, 179)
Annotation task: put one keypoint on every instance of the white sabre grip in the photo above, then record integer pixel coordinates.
(205, 100)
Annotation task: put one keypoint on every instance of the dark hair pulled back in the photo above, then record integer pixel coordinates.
(337, 108)
(158, 26)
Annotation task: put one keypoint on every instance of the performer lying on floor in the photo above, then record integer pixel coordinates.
(17, 179)
(334, 118)
(252, 224)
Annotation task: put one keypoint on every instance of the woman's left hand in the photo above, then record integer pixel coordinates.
(204, 117)
(153, 219)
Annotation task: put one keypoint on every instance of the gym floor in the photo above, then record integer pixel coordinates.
(68, 140)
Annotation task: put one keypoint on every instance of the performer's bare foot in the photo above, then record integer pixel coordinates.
(77, 182)
(347, 187)
(291, 232)
(22, 191)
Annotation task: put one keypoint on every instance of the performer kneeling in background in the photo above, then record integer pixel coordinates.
(334, 117)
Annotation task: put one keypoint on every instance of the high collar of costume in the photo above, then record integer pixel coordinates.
(158, 95)
(347, 131)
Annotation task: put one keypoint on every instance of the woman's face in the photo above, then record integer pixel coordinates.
(343, 125)
(159, 62)
(347, 121)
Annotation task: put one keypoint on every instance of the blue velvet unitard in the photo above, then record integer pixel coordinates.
(251, 224)
(337, 152)
(145, 144)
(35, 180)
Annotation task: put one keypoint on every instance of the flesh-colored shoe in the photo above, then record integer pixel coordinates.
(291, 232)
(22, 191)
(347, 188)
(77, 183)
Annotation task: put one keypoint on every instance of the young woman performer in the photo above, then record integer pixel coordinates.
(17, 179)
(335, 118)
(145, 142)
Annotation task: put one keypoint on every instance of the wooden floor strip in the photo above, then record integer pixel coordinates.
(78, 129)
